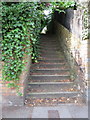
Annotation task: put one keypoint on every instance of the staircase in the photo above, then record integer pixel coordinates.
(50, 82)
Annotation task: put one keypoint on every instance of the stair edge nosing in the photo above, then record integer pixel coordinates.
(47, 93)
(50, 83)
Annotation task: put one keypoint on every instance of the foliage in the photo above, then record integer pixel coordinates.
(60, 6)
(85, 24)
(20, 31)
(21, 27)
(85, 19)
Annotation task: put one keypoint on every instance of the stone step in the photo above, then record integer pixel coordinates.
(51, 58)
(52, 94)
(48, 41)
(31, 102)
(50, 66)
(50, 48)
(51, 55)
(41, 68)
(49, 72)
(52, 51)
(52, 61)
(49, 78)
(51, 83)
(51, 88)
(49, 44)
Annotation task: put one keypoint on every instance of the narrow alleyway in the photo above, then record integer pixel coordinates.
(49, 81)
(57, 85)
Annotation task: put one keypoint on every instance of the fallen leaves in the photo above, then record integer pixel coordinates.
(43, 89)
(50, 101)
(71, 89)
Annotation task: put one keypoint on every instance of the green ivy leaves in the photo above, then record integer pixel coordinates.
(19, 23)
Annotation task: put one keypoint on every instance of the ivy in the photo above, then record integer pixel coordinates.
(21, 28)
(85, 32)
(20, 35)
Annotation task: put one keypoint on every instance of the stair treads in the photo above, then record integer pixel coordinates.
(51, 88)
(49, 78)
(51, 53)
(48, 51)
(48, 41)
(51, 101)
(50, 58)
(54, 45)
(51, 43)
(52, 61)
(46, 55)
(49, 82)
(50, 66)
(50, 72)
(50, 48)
(53, 94)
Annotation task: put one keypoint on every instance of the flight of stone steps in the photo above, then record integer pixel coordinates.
(49, 82)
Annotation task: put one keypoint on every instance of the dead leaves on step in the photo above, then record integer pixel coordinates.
(45, 90)
(49, 101)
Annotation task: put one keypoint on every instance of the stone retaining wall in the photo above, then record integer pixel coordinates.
(70, 33)
(68, 42)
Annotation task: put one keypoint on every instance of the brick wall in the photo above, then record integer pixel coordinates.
(9, 95)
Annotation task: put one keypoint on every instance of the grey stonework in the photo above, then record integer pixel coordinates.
(74, 22)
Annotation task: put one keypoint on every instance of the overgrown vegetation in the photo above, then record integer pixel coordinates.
(21, 27)
(85, 35)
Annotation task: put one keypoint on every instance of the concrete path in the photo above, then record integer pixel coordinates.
(61, 111)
